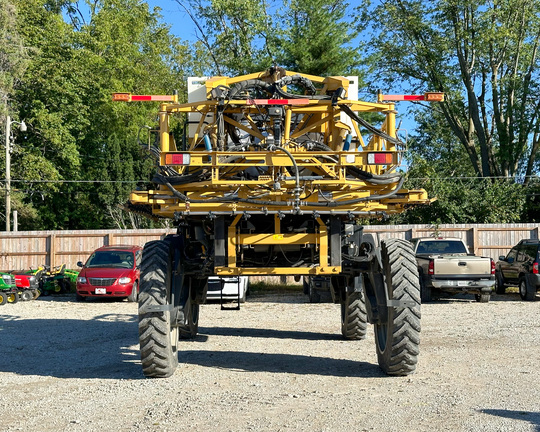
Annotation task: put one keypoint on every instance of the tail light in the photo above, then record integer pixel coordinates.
(177, 159)
(535, 268)
(381, 158)
(431, 268)
(492, 267)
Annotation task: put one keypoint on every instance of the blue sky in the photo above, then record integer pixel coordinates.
(175, 16)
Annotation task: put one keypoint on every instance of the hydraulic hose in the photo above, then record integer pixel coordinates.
(370, 127)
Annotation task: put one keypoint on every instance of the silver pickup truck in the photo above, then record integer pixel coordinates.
(445, 265)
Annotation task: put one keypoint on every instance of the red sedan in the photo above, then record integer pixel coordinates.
(111, 271)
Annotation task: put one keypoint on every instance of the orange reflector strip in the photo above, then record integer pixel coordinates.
(177, 159)
(121, 97)
(302, 101)
(380, 158)
(434, 97)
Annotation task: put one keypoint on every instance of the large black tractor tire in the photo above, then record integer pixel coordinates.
(354, 316)
(527, 291)
(499, 283)
(3, 298)
(398, 340)
(158, 339)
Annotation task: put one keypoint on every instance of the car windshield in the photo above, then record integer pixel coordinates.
(441, 247)
(117, 259)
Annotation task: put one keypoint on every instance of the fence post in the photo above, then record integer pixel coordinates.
(52, 250)
(474, 240)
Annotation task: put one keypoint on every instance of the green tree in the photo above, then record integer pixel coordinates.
(317, 39)
(78, 139)
(13, 53)
(485, 58)
(310, 36)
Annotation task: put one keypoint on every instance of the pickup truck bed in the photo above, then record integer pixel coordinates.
(446, 266)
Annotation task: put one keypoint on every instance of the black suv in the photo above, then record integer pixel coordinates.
(520, 267)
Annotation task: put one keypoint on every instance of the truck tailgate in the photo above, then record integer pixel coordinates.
(466, 265)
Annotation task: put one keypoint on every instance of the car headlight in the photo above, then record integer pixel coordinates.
(81, 279)
(124, 280)
(32, 279)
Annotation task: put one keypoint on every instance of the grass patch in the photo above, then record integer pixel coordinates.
(267, 288)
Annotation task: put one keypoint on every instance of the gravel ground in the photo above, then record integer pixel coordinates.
(278, 364)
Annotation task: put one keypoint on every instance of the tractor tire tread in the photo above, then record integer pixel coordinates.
(158, 358)
(400, 355)
(354, 317)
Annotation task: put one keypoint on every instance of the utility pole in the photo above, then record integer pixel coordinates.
(8, 173)
(23, 128)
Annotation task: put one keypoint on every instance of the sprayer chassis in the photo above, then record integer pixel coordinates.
(268, 182)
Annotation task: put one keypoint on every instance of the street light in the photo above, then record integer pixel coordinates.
(22, 127)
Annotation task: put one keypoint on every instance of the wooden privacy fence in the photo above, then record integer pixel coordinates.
(29, 249)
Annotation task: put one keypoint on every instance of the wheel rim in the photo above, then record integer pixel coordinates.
(11, 298)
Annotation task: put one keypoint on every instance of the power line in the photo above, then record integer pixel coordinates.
(149, 181)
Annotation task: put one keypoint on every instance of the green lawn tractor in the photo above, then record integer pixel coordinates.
(8, 290)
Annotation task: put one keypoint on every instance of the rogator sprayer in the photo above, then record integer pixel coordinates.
(272, 177)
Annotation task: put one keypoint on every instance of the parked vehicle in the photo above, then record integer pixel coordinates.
(111, 271)
(234, 288)
(445, 265)
(8, 290)
(520, 268)
(28, 284)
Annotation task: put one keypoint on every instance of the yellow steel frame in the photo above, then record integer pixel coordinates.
(327, 169)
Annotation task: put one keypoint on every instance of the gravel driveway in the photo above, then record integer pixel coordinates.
(278, 364)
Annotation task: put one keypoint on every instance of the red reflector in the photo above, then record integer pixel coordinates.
(380, 158)
(163, 98)
(177, 159)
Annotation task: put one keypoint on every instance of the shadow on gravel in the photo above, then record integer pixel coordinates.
(68, 348)
(267, 333)
(281, 363)
(526, 416)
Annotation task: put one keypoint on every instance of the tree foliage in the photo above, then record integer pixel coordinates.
(13, 53)
(60, 60)
(310, 36)
(485, 58)
(76, 133)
